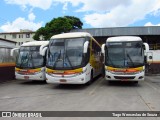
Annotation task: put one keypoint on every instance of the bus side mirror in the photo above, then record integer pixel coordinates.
(103, 48)
(85, 47)
(12, 51)
(146, 48)
(43, 51)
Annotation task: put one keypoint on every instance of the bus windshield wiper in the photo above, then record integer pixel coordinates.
(56, 59)
(130, 59)
(31, 59)
(69, 60)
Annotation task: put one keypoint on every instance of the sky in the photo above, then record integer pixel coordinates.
(33, 14)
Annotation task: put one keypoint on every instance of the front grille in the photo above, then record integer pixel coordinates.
(126, 73)
(25, 73)
(121, 77)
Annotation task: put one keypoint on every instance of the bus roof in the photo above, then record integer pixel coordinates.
(71, 35)
(35, 43)
(123, 39)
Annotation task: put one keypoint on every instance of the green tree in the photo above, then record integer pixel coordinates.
(75, 22)
(57, 26)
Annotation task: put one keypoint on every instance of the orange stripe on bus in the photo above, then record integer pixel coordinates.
(7, 64)
(64, 72)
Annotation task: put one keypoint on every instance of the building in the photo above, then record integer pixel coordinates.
(149, 34)
(18, 37)
(7, 63)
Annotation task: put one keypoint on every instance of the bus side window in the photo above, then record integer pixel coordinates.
(96, 50)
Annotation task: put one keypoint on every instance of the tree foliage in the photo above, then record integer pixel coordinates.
(57, 26)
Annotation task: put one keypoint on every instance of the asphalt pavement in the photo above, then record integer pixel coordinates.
(99, 96)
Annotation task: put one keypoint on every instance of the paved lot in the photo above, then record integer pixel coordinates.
(99, 96)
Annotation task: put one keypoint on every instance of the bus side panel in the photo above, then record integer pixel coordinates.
(153, 60)
(95, 60)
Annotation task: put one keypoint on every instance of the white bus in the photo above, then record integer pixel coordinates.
(153, 59)
(124, 58)
(72, 58)
(30, 65)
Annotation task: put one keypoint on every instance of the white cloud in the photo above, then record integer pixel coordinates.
(73, 2)
(156, 12)
(65, 6)
(43, 4)
(102, 5)
(31, 17)
(115, 13)
(21, 23)
(122, 15)
(101, 13)
(150, 24)
(95, 5)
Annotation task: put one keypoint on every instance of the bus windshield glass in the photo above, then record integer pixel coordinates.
(124, 54)
(65, 53)
(29, 57)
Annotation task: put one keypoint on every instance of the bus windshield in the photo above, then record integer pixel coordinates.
(65, 53)
(124, 54)
(29, 57)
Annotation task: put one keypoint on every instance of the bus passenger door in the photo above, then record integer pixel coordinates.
(150, 57)
(149, 62)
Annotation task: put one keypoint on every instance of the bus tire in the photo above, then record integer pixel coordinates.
(91, 78)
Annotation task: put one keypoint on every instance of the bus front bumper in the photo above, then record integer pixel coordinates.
(78, 79)
(39, 76)
(116, 77)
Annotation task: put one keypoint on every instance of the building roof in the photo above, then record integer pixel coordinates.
(118, 31)
(8, 40)
(23, 32)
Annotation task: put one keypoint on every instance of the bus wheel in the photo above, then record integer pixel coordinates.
(91, 79)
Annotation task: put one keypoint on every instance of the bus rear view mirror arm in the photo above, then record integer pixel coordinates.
(12, 51)
(85, 47)
(103, 48)
(146, 48)
(43, 51)
(41, 48)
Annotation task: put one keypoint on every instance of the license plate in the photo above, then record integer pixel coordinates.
(26, 77)
(125, 80)
(63, 80)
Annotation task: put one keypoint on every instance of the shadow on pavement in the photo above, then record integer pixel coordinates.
(123, 83)
(33, 82)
